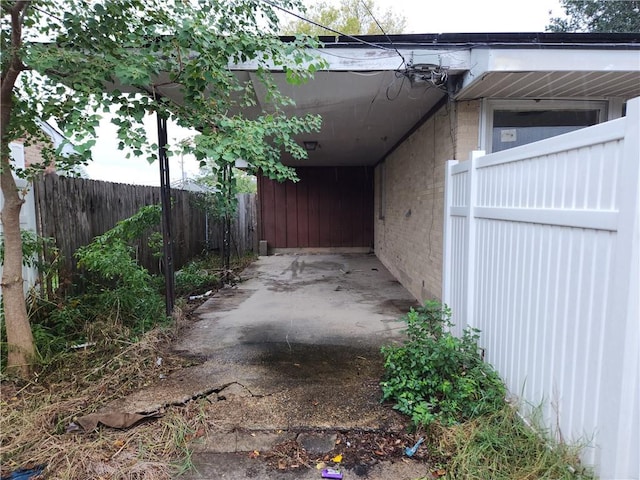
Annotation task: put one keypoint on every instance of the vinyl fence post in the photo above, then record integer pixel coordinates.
(471, 239)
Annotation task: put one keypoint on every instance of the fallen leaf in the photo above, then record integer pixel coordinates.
(337, 458)
(118, 443)
(254, 454)
(321, 465)
(441, 472)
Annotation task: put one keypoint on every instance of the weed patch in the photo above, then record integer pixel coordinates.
(35, 415)
(435, 376)
(119, 356)
(501, 446)
(458, 401)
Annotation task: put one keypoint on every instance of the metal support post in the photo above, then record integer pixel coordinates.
(165, 196)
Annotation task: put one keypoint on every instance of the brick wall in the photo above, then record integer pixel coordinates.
(33, 154)
(408, 240)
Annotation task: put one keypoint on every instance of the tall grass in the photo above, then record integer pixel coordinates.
(501, 446)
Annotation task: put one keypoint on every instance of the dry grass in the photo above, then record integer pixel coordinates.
(35, 415)
(501, 447)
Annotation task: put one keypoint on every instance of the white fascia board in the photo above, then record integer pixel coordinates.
(486, 60)
(57, 138)
(373, 59)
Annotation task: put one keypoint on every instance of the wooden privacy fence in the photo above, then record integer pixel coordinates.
(244, 238)
(541, 254)
(74, 210)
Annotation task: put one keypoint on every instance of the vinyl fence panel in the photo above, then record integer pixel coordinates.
(541, 254)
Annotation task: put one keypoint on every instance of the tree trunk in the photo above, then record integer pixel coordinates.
(20, 348)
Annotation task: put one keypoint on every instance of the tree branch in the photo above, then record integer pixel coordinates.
(16, 66)
(48, 14)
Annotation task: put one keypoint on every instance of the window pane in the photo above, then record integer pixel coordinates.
(514, 128)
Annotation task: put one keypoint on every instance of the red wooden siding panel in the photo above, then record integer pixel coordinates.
(291, 214)
(280, 211)
(303, 215)
(267, 197)
(313, 213)
(328, 207)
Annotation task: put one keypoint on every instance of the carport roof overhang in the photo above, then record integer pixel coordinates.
(377, 89)
(572, 72)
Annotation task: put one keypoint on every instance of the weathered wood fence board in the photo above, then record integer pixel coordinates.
(244, 238)
(75, 210)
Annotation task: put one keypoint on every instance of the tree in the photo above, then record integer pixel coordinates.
(68, 59)
(352, 17)
(244, 182)
(598, 16)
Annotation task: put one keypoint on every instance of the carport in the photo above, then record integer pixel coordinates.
(370, 99)
(373, 94)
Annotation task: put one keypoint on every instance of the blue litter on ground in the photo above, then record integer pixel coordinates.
(410, 451)
(24, 473)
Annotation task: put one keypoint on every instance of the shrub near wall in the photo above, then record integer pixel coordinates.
(437, 376)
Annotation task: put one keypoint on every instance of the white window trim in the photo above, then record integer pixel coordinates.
(489, 106)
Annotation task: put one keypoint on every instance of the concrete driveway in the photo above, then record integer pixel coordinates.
(347, 300)
(291, 354)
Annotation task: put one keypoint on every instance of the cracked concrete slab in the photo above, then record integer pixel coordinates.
(240, 466)
(317, 443)
(294, 348)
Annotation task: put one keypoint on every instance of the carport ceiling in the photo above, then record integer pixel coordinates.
(364, 114)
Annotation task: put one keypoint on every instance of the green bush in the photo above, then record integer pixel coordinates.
(117, 290)
(437, 376)
(196, 277)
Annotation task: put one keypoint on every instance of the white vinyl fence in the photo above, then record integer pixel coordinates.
(541, 255)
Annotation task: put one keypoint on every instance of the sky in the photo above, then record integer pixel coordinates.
(473, 16)
(423, 16)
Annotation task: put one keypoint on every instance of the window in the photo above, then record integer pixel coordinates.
(511, 124)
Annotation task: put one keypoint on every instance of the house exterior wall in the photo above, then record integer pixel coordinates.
(409, 197)
(33, 154)
(330, 207)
